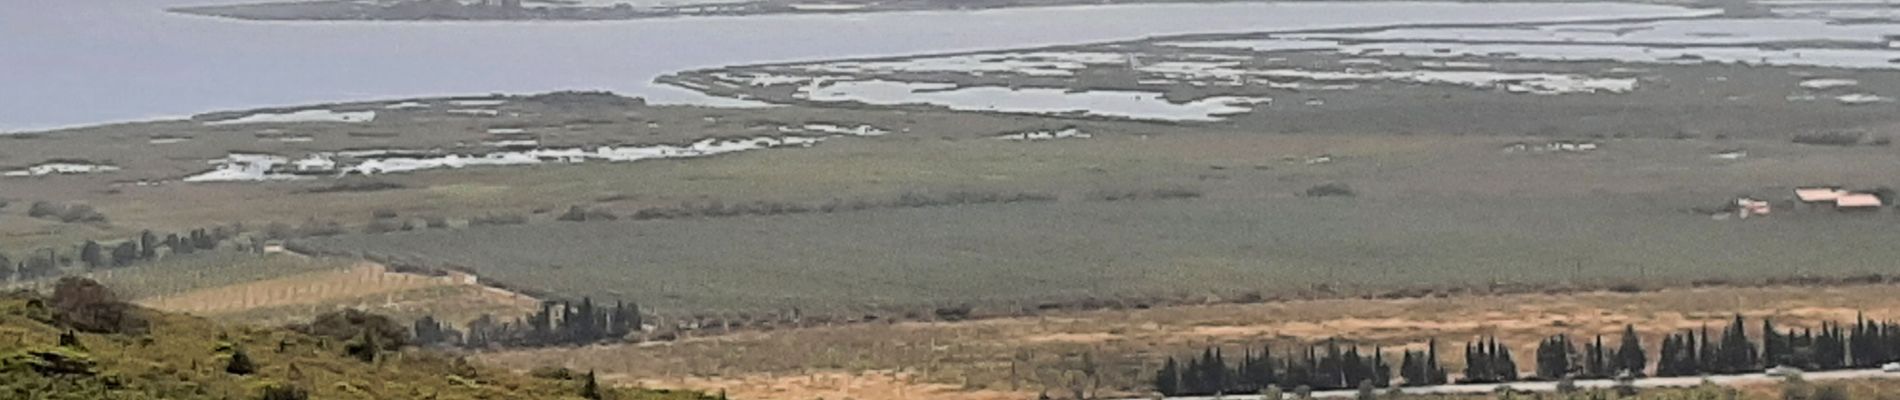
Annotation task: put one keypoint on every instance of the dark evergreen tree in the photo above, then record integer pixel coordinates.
(1736, 354)
(1168, 380)
(1631, 359)
(1554, 358)
(92, 254)
(1774, 345)
(125, 254)
(148, 243)
(1596, 364)
(1486, 361)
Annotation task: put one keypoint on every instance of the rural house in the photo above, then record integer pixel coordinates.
(1858, 202)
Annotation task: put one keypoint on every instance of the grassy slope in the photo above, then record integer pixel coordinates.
(180, 359)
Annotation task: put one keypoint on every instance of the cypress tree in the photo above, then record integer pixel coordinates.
(1737, 353)
(1631, 359)
(1168, 380)
(1553, 357)
(1381, 373)
(1434, 371)
(148, 243)
(1774, 349)
(92, 254)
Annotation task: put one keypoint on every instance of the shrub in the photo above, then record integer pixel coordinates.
(554, 373)
(957, 313)
(351, 187)
(313, 227)
(88, 306)
(1829, 138)
(499, 219)
(583, 214)
(284, 392)
(81, 213)
(42, 209)
(1330, 189)
(383, 226)
(354, 324)
(240, 364)
(1830, 392)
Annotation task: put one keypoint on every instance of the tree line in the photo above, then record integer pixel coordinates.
(147, 246)
(556, 323)
(1335, 365)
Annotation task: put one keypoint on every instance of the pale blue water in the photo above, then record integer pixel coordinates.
(70, 62)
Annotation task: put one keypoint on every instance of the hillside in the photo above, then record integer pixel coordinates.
(144, 354)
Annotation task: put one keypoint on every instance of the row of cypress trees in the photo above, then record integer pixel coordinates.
(557, 323)
(1328, 366)
(46, 262)
(1333, 365)
(1558, 357)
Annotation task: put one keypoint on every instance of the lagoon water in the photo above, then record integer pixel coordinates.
(68, 63)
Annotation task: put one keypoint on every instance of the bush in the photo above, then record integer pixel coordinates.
(1330, 189)
(313, 227)
(583, 214)
(383, 226)
(240, 364)
(554, 373)
(1829, 138)
(88, 306)
(354, 187)
(42, 209)
(499, 219)
(1830, 392)
(284, 392)
(354, 324)
(81, 213)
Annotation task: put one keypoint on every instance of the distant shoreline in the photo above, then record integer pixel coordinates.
(539, 10)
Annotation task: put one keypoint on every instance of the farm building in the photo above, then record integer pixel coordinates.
(1747, 207)
(1839, 199)
(1818, 195)
(1858, 201)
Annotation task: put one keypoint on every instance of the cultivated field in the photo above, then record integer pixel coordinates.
(1427, 211)
(364, 286)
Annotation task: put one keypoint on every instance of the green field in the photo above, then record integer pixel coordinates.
(1430, 211)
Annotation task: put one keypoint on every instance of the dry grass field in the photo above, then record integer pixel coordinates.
(974, 360)
(365, 286)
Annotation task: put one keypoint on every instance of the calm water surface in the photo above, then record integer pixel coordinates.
(65, 62)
